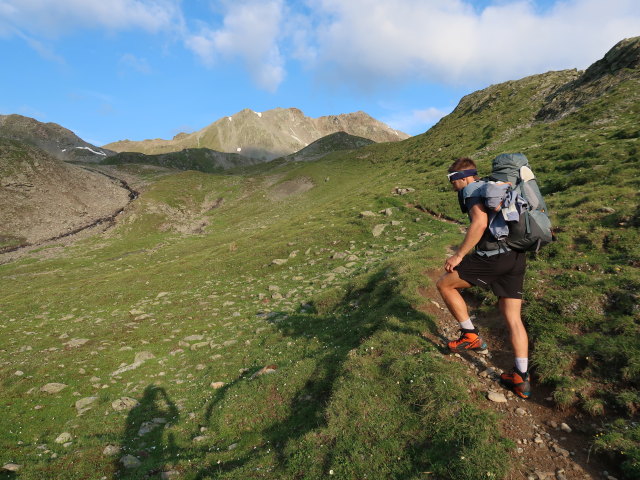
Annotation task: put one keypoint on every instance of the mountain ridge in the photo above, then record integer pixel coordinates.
(266, 135)
(51, 137)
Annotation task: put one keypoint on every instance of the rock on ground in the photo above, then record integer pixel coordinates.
(53, 388)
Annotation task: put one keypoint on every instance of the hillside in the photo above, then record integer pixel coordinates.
(331, 143)
(43, 197)
(58, 141)
(279, 321)
(266, 135)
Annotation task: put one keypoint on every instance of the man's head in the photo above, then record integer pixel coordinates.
(462, 172)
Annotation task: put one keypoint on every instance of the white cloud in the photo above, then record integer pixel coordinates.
(128, 61)
(250, 30)
(55, 17)
(45, 51)
(450, 41)
(416, 121)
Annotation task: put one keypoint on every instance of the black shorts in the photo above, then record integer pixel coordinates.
(503, 273)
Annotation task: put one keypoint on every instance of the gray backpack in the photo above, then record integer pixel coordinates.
(533, 230)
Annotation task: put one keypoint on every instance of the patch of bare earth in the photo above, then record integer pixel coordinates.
(187, 221)
(543, 449)
(285, 189)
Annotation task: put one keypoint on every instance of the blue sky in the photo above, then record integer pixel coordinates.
(136, 69)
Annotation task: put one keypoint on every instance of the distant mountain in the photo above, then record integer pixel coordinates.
(326, 145)
(58, 141)
(202, 159)
(43, 197)
(266, 135)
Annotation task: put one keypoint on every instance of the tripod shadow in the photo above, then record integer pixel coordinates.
(144, 435)
(338, 326)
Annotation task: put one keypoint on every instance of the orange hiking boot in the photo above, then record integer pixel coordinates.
(469, 340)
(517, 382)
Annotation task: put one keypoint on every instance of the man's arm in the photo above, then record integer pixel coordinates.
(479, 223)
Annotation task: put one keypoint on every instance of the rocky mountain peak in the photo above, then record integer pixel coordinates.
(619, 64)
(266, 135)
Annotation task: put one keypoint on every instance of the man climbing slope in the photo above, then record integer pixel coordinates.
(492, 265)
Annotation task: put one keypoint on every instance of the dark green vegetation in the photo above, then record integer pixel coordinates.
(326, 145)
(354, 388)
(201, 159)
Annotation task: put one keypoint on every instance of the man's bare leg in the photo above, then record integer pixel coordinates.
(511, 311)
(448, 285)
(518, 380)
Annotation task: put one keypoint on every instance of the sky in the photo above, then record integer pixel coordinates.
(134, 69)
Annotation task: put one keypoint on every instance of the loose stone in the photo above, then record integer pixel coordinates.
(169, 475)
(561, 451)
(196, 338)
(378, 229)
(111, 450)
(124, 403)
(53, 388)
(497, 397)
(85, 404)
(129, 461)
(64, 438)
(11, 467)
(367, 213)
(565, 428)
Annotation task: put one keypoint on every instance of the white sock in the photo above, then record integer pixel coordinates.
(467, 324)
(522, 364)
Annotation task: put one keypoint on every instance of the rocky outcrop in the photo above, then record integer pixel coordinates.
(618, 65)
(266, 135)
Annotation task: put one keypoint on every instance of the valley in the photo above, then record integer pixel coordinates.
(279, 319)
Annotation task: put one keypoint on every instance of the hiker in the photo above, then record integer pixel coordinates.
(492, 265)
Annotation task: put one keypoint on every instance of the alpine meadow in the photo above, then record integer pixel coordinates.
(278, 319)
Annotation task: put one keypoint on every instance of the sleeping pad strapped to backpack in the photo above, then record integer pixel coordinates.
(533, 229)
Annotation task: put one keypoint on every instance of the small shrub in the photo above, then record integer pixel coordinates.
(564, 397)
(629, 400)
(593, 406)
(622, 441)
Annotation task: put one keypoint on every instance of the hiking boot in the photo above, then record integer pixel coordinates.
(517, 382)
(469, 340)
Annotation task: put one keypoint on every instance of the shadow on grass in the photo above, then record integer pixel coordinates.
(340, 323)
(144, 432)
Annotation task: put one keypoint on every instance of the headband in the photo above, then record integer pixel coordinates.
(462, 174)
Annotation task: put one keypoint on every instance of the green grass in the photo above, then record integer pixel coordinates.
(144, 288)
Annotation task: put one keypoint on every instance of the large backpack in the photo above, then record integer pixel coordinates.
(533, 230)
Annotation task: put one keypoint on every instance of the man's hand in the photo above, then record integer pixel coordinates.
(452, 262)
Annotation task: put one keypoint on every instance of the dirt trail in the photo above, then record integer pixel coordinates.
(543, 450)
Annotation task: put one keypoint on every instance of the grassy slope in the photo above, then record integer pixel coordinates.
(356, 389)
(352, 360)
